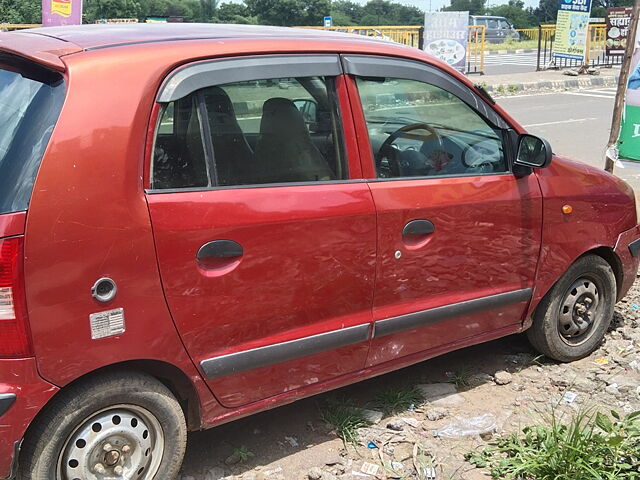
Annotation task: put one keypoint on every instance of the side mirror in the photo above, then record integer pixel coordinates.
(533, 152)
(308, 109)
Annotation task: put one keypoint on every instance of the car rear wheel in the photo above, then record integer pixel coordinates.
(126, 426)
(571, 320)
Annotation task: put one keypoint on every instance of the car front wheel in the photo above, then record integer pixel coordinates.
(572, 318)
(127, 426)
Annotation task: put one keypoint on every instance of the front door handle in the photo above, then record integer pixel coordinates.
(418, 227)
(220, 249)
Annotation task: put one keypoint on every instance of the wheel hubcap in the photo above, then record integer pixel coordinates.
(123, 443)
(578, 311)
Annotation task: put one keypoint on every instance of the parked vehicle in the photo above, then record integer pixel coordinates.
(497, 29)
(184, 242)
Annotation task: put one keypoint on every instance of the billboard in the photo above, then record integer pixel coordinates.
(572, 28)
(445, 37)
(618, 22)
(61, 12)
(629, 140)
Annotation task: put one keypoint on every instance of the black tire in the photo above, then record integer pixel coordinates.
(552, 334)
(77, 406)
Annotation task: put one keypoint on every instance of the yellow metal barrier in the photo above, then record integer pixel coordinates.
(401, 34)
(596, 41)
(410, 35)
(534, 33)
(475, 49)
(17, 26)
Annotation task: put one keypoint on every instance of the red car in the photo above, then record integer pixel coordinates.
(200, 222)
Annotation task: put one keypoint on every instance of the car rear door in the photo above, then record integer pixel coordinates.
(266, 247)
(458, 232)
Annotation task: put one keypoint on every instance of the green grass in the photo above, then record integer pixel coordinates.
(345, 419)
(396, 400)
(460, 378)
(240, 454)
(590, 446)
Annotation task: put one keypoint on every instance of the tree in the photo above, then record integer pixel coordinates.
(474, 7)
(20, 11)
(234, 13)
(98, 9)
(289, 12)
(515, 12)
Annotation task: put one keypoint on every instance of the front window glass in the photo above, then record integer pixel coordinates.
(420, 130)
(267, 131)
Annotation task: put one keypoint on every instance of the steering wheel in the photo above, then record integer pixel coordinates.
(394, 169)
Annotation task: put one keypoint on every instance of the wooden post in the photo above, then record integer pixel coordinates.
(618, 106)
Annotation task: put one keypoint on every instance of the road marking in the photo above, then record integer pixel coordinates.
(525, 59)
(572, 120)
(594, 95)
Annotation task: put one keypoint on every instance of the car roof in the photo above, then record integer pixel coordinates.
(48, 44)
(90, 37)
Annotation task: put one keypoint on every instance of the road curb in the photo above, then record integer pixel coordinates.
(503, 89)
(510, 52)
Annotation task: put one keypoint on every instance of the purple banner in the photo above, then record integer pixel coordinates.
(61, 12)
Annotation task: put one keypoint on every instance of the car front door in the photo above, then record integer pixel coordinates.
(458, 232)
(266, 245)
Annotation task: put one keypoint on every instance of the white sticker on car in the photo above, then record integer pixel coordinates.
(107, 324)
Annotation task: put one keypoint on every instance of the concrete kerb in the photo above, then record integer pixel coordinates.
(503, 89)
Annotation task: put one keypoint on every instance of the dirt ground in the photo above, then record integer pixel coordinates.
(510, 386)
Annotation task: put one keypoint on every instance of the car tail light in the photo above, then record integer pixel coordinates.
(14, 331)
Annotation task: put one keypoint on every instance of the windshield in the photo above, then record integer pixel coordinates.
(30, 100)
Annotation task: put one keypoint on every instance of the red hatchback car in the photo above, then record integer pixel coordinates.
(200, 222)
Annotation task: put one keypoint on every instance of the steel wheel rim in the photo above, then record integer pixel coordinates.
(580, 311)
(124, 442)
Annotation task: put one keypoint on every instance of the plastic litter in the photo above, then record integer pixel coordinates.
(468, 426)
(397, 466)
(569, 397)
(601, 361)
(371, 445)
(370, 468)
(635, 306)
(428, 473)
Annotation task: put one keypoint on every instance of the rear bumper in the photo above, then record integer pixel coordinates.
(628, 250)
(24, 394)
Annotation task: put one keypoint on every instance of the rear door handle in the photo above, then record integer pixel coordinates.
(418, 227)
(220, 249)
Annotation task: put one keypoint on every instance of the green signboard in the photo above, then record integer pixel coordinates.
(629, 140)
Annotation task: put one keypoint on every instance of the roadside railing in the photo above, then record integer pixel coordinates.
(476, 49)
(534, 33)
(410, 35)
(413, 36)
(5, 27)
(595, 52)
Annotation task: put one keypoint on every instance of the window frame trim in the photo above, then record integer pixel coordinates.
(197, 75)
(356, 65)
(254, 68)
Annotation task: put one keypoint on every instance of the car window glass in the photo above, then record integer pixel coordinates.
(504, 24)
(420, 130)
(256, 132)
(492, 23)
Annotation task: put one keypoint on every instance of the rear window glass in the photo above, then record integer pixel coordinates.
(30, 101)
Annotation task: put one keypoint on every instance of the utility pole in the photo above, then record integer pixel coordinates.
(611, 154)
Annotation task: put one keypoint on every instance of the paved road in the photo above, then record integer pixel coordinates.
(575, 123)
(510, 63)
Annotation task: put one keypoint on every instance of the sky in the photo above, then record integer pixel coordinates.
(437, 4)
